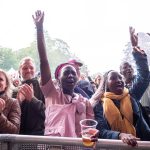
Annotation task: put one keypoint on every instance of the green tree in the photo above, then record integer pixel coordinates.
(58, 52)
(7, 58)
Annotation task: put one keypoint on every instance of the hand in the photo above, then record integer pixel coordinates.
(38, 18)
(133, 37)
(2, 105)
(20, 96)
(95, 134)
(129, 139)
(94, 137)
(26, 92)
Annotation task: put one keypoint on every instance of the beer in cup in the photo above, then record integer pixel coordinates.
(88, 129)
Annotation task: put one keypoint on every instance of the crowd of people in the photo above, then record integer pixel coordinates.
(118, 101)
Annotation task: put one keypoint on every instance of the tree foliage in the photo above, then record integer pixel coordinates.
(127, 53)
(7, 58)
(58, 52)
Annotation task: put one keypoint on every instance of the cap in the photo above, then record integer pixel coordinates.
(59, 67)
(75, 62)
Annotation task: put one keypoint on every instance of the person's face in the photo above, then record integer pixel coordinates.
(98, 80)
(115, 83)
(27, 70)
(3, 82)
(127, 71)
(68, 77)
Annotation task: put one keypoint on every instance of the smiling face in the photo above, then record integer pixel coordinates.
(27, 70)
(3, 82)
(115, 83)
(127, 71)
(68, 78)
(98, 79)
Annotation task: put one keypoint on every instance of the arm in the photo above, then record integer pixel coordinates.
(141, 80)
(103, 127)
(44, 65)
(11, 123)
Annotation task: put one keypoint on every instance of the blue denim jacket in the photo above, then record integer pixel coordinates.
(136, 91)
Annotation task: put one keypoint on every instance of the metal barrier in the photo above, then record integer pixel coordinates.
(26, 142)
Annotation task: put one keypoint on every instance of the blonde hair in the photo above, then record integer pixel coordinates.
(8, 90)
(26, 59)
(23, 60)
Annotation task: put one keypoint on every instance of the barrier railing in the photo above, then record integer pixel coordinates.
(25, 142)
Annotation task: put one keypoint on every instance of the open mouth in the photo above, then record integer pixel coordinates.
(129, 73)
(70, 81)
(120, 86)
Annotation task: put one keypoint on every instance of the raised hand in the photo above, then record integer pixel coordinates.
(133, 36)
(38, 18)
(134, 41)
(2, 105)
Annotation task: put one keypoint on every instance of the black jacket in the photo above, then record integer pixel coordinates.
(33, 112)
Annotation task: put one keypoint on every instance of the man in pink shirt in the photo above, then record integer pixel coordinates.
(64, 108)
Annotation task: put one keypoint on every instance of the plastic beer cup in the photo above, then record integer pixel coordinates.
(87, 130)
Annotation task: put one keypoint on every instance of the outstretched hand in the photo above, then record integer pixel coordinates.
(133, 36)
(134, 41)
(38, 18)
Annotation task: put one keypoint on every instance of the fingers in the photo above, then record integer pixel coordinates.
(133, 36)
(31, 86)
(33, 17)
(20, 96)
(131, 30)
(27, 88)
(38, 17)
(95, 134)
(94, 139)
(130, 139)
(27, 91)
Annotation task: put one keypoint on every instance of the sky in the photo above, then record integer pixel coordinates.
(95, 30)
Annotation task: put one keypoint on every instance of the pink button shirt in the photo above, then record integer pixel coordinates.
(63, 113)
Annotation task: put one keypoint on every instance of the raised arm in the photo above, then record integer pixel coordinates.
(141, 80)
(44, 65)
